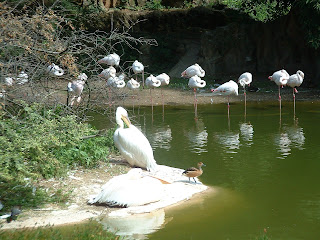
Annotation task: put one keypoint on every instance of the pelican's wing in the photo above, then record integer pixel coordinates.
(135, 147)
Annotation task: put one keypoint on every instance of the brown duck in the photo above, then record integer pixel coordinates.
(194, 172)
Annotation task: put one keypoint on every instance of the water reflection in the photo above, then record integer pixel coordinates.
(230, 141)
(246, 133)
(135, 226)
(161, 138)
(288, 138)
(198, 138)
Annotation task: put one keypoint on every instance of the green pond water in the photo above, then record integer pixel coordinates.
(264, 172)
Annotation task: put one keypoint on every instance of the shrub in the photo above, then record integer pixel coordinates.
(42, 143)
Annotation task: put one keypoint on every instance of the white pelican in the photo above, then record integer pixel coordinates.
(55, 70)
(132, 189)
(165, 80)
(280, 78)
(244, 80)
(75, 88)
(227, 89)
(152, 82)
(22, 78)
(112, 59)
(294, 81)
(137, 67)
(132, 144)
(108, 72)
(196, 82)
(192, 71)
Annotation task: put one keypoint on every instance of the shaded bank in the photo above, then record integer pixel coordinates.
(224, 41)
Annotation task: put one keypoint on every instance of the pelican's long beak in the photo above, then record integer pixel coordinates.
(126, 120)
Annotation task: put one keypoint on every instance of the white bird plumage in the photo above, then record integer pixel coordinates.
(8, 81)
(227, 89)
(280, 77)
(55, 70)
(132, 189)
(164, 79)
(245, 79)
(132, 144)
(192, 71)
(196, 82)
(108, 72)
(22, 78)
(75, 88)
(296, 79)
(152, 82)
(112, 59)
(137, 67)
(133, 84)
(115, 82)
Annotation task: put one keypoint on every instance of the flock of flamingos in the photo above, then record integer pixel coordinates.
(194, 73)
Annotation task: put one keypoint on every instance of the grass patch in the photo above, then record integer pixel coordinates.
(91, 230)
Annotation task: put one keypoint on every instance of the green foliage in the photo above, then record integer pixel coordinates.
(91, 230)
(154, 5)
(14, 193)
(40, 143)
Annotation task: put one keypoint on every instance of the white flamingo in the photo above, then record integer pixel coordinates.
(116, 82)
(55, 70)
(152, 82)
(192, 71)
(165, 80)
(108, 72)
(75, 88)
(137, 67)
(132, 144)
(22, 78)
(227, 89)
(244, 80)
(8, 81)
(132, 85)
(280, 78)
(294, 81)
(112, 59)
(196, 82)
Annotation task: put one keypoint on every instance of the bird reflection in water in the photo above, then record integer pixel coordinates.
(161, 138)
(136, 226)
(288, 138)
(246, 133)
(198, 137)
(230, 140)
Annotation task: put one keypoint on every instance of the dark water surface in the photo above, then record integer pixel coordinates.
(264, 173)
